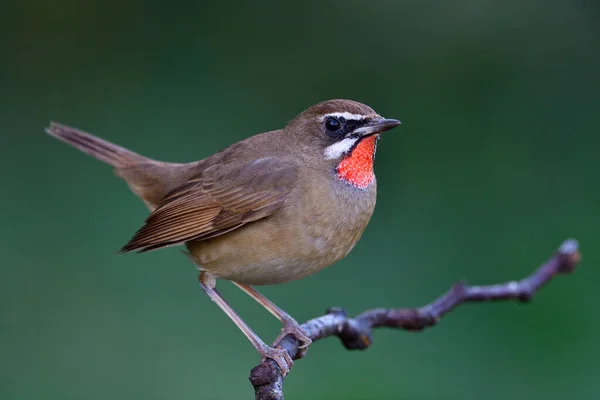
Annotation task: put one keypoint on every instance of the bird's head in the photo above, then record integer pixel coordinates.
(343, 134)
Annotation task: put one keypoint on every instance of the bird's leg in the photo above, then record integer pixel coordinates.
(290, 326)
(279, 355)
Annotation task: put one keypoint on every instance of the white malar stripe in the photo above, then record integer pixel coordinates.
(340, 148)
(345, 114)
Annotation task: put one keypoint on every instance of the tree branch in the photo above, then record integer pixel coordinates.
(355, 333)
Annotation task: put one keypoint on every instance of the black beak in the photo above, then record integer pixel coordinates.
(376, 126)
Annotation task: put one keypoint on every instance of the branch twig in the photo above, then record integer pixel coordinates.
(355, 333)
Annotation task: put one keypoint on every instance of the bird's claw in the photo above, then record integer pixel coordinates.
(280, 356)
(292, 328)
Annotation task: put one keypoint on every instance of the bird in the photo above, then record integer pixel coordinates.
(275, 207)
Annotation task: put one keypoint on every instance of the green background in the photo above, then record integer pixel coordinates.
(496, 163)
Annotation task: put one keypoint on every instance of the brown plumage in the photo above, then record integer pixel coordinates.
(216, 202)
(268, 209)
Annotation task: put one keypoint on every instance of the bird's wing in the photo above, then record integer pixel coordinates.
(220, 199)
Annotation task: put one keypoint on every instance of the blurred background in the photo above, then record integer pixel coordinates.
(496, 163)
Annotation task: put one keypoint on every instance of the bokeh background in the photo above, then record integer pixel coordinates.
(495, 164)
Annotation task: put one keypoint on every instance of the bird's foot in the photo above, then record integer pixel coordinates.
(280, 356)
(291, 327)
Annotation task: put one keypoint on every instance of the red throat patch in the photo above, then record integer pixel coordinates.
(357, 168)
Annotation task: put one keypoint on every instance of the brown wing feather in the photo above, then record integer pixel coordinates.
(222, 198)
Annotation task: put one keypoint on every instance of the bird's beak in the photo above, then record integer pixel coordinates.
(376, 126)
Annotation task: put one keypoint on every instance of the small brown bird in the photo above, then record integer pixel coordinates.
(278, 206)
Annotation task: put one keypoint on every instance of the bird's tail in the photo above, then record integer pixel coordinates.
(110, 153)
(149, 179)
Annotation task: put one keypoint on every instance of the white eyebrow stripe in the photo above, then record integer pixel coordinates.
(340, 148)
(346, 115)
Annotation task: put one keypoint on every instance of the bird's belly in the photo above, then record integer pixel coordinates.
(268, 272)
(272, 251)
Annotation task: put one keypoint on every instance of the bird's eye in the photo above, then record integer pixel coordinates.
(332, 124)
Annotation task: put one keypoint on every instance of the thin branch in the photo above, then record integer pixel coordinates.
(355, 333)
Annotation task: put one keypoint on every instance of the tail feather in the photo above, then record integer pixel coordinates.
(149, 179)
(110, 153)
